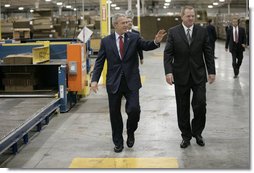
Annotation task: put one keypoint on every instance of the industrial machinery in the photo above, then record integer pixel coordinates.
(36, 80)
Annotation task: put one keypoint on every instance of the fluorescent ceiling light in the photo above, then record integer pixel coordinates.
(21, 8)
(7, 5)
(117, 8)
(210, 6)
(215, 3)
(59, 3)
(167, 0)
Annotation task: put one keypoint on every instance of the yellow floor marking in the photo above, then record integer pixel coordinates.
(143, 79)
(160, 162)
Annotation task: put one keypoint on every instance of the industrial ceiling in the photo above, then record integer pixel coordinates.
(123, 4)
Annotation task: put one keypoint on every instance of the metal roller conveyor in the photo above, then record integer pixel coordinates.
(34, 94)
(19, 115)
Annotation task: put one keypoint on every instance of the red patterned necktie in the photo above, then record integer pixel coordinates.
(121, 46)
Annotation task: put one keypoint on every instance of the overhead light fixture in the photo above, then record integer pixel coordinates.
(21, 8)
(109, 2)
(210, 6)
(59, 3)
(7, 5)
(222, 0)
(68, 6)
(166, 4)
(167, 0)
(113, 5)
(31, 11)
(75, 9)
(170, 13)
(215, 3)
(117, 8)
(47, 0)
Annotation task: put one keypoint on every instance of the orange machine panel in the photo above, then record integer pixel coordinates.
(76, 59)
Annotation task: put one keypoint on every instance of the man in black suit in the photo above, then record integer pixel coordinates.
(212, 35)
(187, 56)
(236, 41)
(140, 52)
(123, 78)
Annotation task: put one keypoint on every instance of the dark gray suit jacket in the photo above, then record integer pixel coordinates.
(129, 66)
(230, 39)
(140, 52)
(184, 60)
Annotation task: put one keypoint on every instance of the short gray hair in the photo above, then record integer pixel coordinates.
(116, 16)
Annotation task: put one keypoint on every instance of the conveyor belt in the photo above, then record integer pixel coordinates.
(19, 115)
(30, 94)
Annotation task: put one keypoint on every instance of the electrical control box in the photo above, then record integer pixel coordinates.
(76, 60)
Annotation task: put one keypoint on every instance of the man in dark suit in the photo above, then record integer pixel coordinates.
(140, 52)
(123, 78)
(187, 54)
(236, 41)
(212, 35)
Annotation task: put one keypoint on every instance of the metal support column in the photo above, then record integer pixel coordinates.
(62, 71)
(104, 32)
(138, 14)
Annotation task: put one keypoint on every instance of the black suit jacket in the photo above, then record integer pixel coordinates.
(129, 66)
(211, 33)
(140, 52)
(230, 39)
(184, 60)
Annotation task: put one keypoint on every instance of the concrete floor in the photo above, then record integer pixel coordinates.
(85, 132)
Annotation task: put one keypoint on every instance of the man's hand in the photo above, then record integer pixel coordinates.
(211, 78)
(159, 36)
(94, 86)
(141, 61)
(169, 78)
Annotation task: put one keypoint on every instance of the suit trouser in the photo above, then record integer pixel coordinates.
(237, 57)
(198, 103)
(132, 109)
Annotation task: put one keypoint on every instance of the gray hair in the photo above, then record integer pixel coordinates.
(116, 16)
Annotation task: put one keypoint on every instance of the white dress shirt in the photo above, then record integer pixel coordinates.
(117, 43)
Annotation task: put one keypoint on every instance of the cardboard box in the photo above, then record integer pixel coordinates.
(18, 59)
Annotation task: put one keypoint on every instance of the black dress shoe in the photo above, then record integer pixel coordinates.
(200, 140)
(130, 140)
(185, 144)
(118, 149)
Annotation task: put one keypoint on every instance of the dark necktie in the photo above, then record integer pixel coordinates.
(121, 46)
(236, 35)
(188, 36)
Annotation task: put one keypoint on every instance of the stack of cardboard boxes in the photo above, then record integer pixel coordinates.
(18, 78)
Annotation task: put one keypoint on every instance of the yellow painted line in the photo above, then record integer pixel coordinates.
(143, 79)
(59, 43)
(160, 162)
(22, 44)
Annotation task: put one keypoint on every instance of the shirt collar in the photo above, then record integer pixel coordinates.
(117, 35)
(185, 28)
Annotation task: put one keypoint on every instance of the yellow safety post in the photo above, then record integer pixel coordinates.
(138, 15)
(104, 32)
